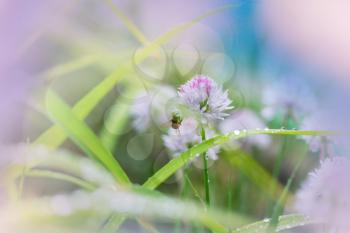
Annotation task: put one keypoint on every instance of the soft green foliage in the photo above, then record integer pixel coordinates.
(116, 120)
(83, 136)
(249, 167)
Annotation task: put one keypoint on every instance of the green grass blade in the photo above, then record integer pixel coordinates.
(147, 226)
(285, 222)
(122, 203)
(83, 135)
(279, 206)
(113, 222)
(127, 22)
(61, 176)
(254, 172)
(163, 39)
(213, 225)
(70, 66)
(178, 162)
(117, 119)
(205, 172)
(55, 136)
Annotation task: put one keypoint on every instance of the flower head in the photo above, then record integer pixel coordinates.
(186, 136)
(202, 94)
(325, 195)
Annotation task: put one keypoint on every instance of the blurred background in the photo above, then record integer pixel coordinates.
(286, 65)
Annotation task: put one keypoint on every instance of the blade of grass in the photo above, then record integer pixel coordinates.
(123, 202)
(178, 162)
(61, 176)
(117, 119)
(285, 222)
(177, 30)
(70, 66)
(172, 166)
(147, 226)
(205, 172)
(113, 222)
(55, 136)
(213, 225)
(83, 136)
(250, 168)
(279, 206)
(195, 192)
(127, 22)
(277, 169)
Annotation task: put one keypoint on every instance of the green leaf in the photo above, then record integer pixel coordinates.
(178, 162)
(83, 135)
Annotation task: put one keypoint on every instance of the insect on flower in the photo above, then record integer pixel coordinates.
(176, 120)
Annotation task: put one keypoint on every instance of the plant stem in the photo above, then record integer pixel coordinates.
(279, 159)
(205, 172)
